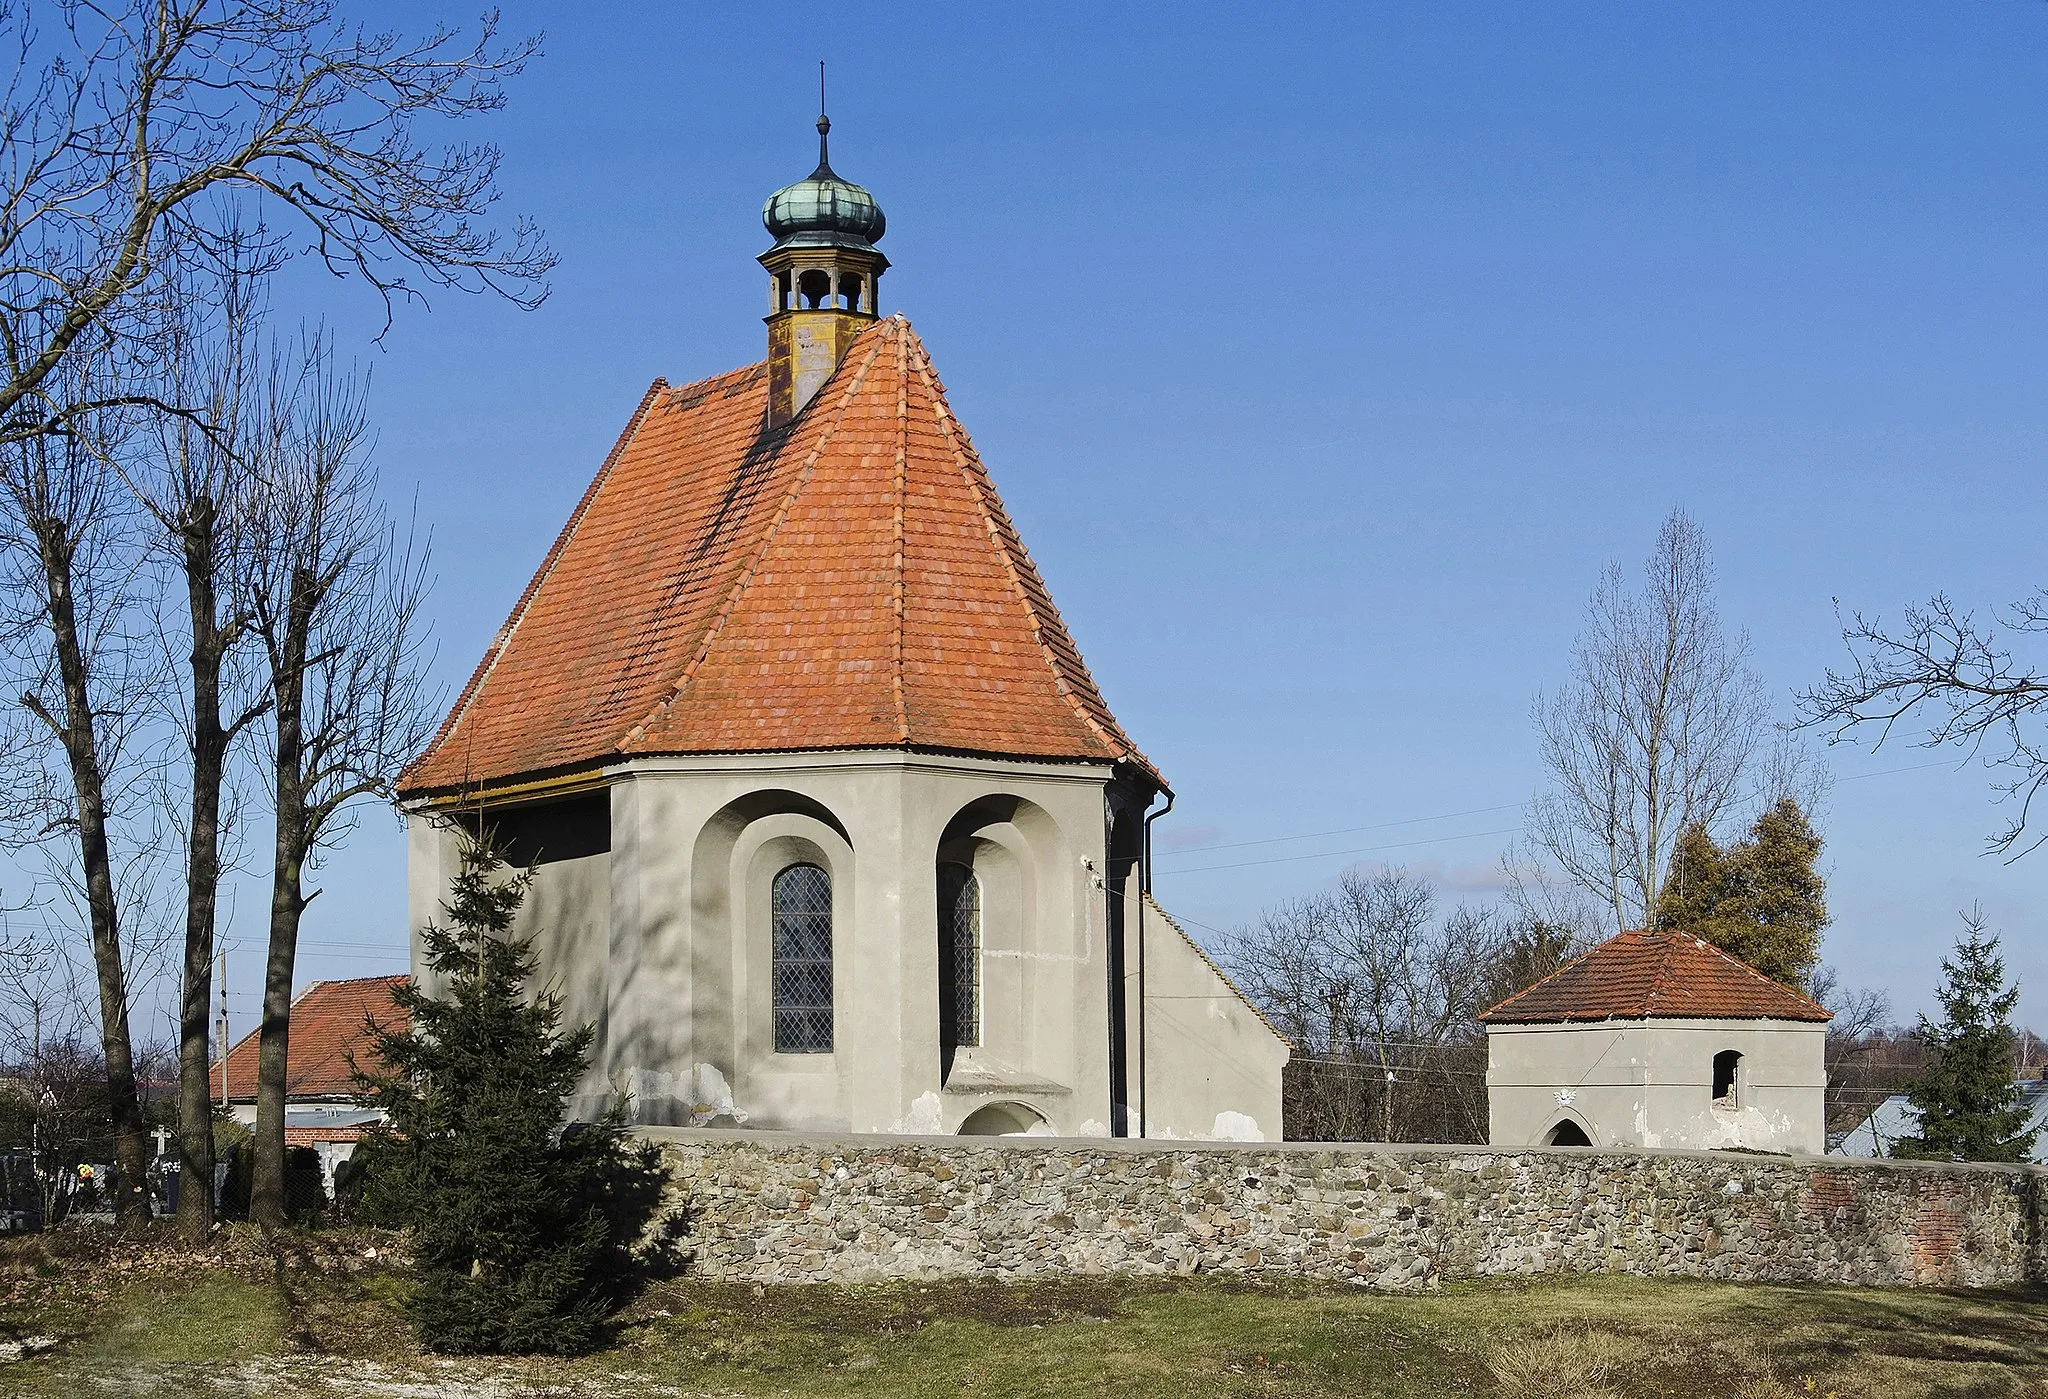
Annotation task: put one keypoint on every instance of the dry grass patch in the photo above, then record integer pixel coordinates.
(1561, 1363)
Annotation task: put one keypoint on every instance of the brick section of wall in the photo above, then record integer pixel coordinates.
(786, 1207)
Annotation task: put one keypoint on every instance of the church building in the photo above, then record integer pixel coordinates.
(830, 827)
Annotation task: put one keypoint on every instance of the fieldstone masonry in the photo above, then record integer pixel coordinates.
(788, 1207)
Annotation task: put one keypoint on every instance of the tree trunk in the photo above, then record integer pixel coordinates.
(202, 879)
(81, 748)
(287, 902)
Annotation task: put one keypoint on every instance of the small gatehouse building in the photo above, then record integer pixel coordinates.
(1658, 1039)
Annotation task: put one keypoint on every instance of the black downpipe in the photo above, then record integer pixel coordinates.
(1113, 938)
(1144, 893)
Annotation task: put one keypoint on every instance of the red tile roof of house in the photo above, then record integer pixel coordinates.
(1655, 975)
(327, 1023)
(849, 581)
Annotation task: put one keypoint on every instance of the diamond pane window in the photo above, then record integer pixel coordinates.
(802, 901)
(959, 956)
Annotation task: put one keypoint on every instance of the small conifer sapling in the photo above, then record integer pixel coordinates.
(521, 1230)
(1970, 1107)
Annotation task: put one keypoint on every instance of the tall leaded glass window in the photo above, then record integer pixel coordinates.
(959, 957)
(802, 900)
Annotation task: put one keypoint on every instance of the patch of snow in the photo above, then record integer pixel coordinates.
(1092, 1128)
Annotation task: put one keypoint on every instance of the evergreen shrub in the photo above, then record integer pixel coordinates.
(522, 1225)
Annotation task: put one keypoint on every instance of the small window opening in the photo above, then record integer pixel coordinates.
(849, 292)
(815, 287)
(1725, 1064)
(782, 289)
(1568, 1133)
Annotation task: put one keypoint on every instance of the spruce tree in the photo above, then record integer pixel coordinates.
(1761, 900)
(1970, 1107)
(521, 1230)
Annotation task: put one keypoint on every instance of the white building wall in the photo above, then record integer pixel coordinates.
(1212, 1065)
(1649, 1083)
(664, 942)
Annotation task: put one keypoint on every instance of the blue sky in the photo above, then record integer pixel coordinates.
(1324, 356)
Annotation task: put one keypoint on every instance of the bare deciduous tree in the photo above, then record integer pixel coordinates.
(1659, 727)
(132, 136)
(334, 602)
(1368, 975)
(70, 541)
(137, 141)
(194, 477)
(1954, 673)
(1861, 1025)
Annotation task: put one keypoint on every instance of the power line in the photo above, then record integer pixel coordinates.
(1330, 854)
(1348, 830)
(1424, 820)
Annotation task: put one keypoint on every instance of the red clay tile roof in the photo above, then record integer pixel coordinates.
(327, 1022)
(1661, 975)
(850, 581)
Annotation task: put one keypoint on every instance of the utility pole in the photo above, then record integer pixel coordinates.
(223, 1039)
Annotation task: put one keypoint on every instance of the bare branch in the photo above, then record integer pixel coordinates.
(1954, 682)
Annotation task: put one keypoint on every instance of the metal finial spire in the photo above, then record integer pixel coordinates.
(824, 122)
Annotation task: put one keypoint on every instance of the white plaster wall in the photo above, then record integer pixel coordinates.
(695, 847)
(567, 915)
(1211, 1066)
(432, 855)
(1649, 1083)
(665, 943)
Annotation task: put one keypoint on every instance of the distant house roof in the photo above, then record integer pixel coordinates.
(327, 1023)
(1895, 1119)
(849, 581)
(1655, 975)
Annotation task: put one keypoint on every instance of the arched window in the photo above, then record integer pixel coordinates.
(959, 959)
(803, 960)
(1726, 1063)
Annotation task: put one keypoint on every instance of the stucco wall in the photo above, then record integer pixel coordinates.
(1648, 1083)
(1212, 1066)
(775, 1207)
(663, 939)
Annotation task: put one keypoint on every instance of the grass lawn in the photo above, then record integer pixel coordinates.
(313, 1314)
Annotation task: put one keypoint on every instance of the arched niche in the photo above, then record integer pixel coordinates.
(1567, 1129)
(1022, 867)
(734, 860)
(1000, 1120)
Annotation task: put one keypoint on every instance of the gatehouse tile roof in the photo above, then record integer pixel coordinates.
(1655, 975)
(327, 1024)
(850, 580)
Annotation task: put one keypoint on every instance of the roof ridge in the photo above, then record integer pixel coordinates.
(1662, 976)
(540, 576)
(897, 586)
(1009, 545)
(760, 549)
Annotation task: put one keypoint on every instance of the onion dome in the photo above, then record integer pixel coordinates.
(823, 211)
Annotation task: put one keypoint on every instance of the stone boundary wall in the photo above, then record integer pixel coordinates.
(791, 1207)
